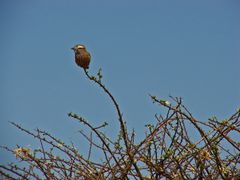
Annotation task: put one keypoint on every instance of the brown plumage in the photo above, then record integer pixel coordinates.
(82, 56)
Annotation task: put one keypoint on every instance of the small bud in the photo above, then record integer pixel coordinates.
(165, 103)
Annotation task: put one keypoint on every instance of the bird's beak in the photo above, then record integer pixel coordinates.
(73, 48)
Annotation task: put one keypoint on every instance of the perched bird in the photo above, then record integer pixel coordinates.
(82, 56)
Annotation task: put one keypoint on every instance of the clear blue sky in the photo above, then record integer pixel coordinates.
(180, 48)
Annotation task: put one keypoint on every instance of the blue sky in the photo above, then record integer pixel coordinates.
(189, 49)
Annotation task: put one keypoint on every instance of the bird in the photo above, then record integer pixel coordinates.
(82, 56)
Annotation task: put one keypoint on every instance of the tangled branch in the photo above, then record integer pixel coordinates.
(176, 146)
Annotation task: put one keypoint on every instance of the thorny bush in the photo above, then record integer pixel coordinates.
(168, 151)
